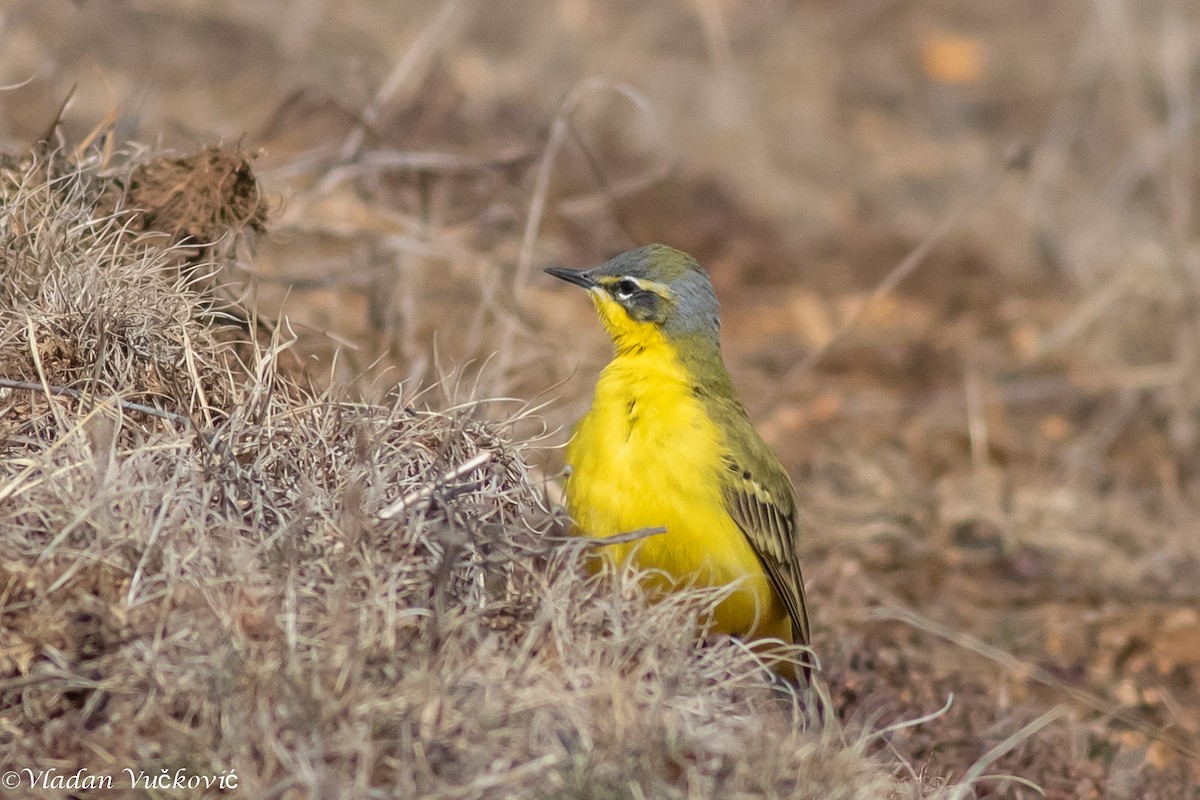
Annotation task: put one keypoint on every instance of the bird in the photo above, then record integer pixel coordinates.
(668, 444)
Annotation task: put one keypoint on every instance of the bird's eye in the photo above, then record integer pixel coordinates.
(626, 288)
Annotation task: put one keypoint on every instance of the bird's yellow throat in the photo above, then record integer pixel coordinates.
(627, 333)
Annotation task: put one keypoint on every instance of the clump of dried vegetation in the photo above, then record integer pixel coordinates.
(197, 576)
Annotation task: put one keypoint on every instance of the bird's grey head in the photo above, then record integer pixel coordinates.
(656, 284)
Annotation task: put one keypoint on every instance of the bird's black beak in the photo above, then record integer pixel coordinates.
(579, 277)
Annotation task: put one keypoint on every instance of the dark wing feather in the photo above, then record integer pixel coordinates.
(768, 519)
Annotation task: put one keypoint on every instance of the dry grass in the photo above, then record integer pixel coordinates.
(211, 587)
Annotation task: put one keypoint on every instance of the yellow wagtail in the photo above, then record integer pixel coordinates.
(667, 444)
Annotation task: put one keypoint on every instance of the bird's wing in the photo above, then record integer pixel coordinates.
(759, 497)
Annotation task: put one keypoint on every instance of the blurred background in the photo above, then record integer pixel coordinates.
(997, 455)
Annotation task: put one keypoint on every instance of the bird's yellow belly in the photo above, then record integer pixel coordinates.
(647, 456)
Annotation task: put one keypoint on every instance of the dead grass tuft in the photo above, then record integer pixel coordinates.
(97, 310)
(198, 199)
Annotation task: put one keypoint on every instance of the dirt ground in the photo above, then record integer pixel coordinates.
(996, 455)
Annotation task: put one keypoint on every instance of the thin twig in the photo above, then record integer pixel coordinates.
(619, 538)
(64, 391)
(559, 130)
(1013, 160)
(606, 188)
(420, 48)
(426, 491)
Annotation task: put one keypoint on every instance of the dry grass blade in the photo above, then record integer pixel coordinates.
(1042, 676)
(976, 772)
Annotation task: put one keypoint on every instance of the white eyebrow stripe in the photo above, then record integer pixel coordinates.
(659, 289)
(610, 282)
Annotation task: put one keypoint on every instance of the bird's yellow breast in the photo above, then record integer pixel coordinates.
(648, 455)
